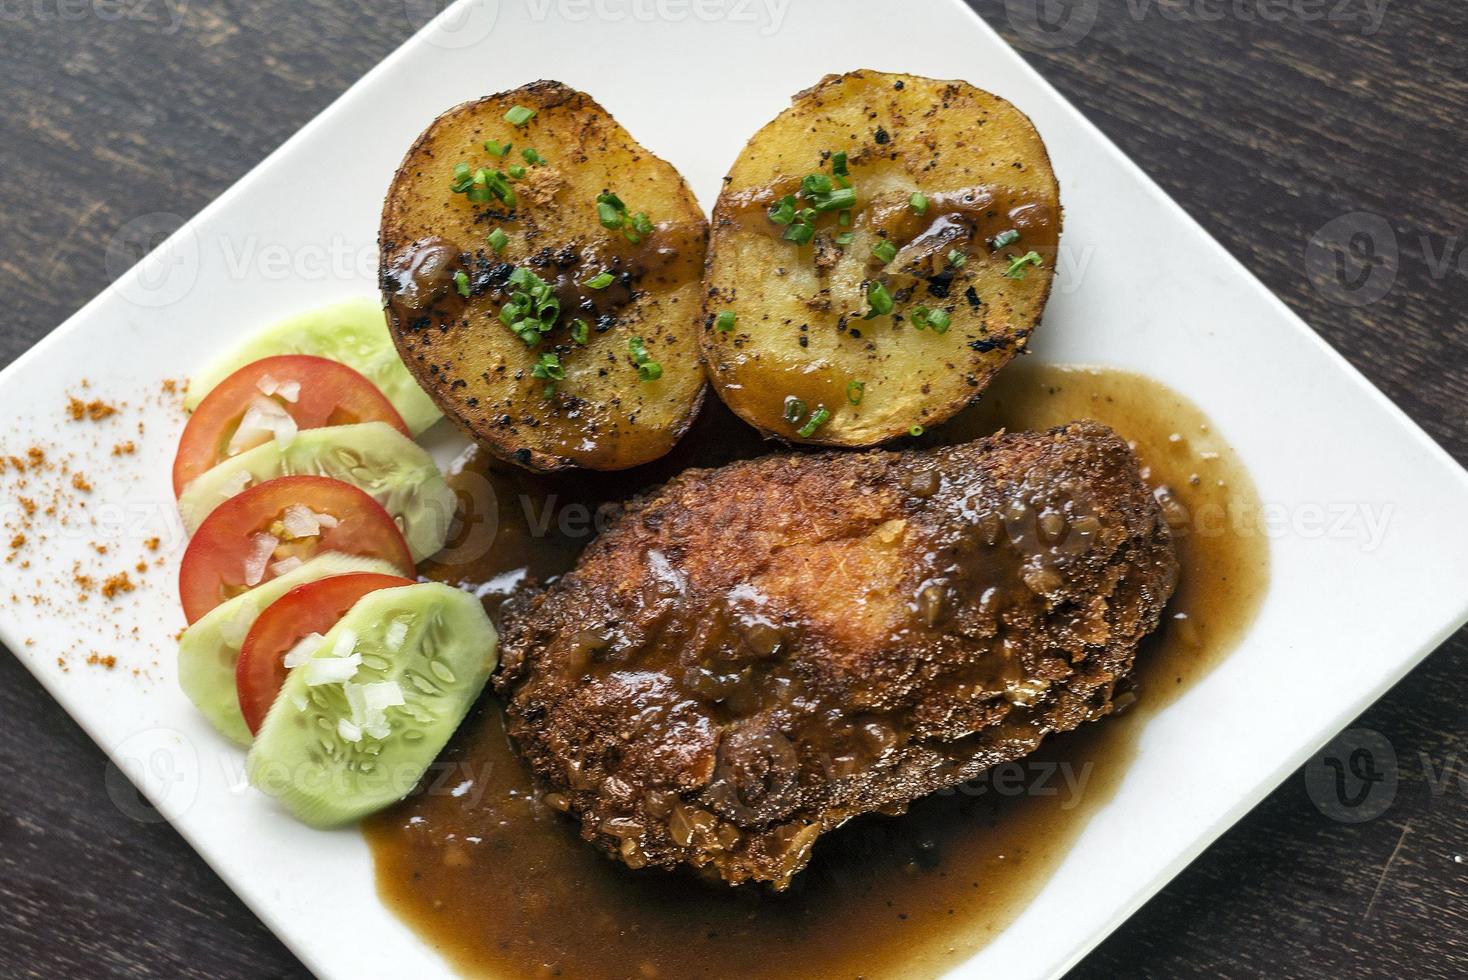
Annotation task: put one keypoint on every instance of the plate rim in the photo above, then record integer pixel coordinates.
(1205, 836)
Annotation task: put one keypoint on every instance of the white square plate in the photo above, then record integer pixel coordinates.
(1340, 624)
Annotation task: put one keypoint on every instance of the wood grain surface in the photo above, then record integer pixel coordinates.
(1273, 122)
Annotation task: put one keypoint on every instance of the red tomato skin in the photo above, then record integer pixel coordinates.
(215, 558)
(311, 608)
(331, 394)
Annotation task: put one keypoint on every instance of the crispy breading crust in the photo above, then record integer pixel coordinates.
(759, 652)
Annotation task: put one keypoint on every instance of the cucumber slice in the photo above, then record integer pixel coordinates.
(353, 332)
(374, 456)
(338, 749)
(208, 650)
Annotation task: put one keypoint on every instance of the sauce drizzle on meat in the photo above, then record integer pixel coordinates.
(500, 882)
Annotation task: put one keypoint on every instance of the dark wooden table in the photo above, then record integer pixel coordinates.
(1267, 119)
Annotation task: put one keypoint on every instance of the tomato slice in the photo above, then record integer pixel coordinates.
(311, 608)
(244, 540)
(309, 392)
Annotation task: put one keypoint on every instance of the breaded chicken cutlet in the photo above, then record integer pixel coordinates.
(760, 652)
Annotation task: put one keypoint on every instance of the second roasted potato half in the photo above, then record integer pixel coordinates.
(879, 251)
(541, 272)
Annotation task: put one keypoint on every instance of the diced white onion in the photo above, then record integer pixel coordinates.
(348, 731)
(285, 565)
(331, 670)
(397, 633)
(368, 704)
(301, 521)
(304, 650)
(289, 390)
(381, 695)
(262, 420)
(346, 642)
(262, 546)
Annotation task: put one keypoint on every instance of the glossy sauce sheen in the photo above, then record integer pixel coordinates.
(502, 886)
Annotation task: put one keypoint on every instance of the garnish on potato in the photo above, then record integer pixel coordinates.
(541, 272)
(878, 252)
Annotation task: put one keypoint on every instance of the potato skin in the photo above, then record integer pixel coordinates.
(602, 415)
(800, 332)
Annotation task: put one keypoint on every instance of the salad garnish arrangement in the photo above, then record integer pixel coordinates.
(311, 641)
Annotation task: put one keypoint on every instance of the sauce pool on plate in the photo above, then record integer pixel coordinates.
(502, 886)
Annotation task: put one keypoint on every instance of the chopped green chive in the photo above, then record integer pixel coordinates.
(919, 202)
(461, 283)
(610, 210)
(817, 419)
(1004, 238)
(497, 149)
(516, 171)
(815, 184)
(837, 200)
(532, 156)
(957, 259)
(532, 308)
(784, 212)
(915, 431)
(549, 369)
(580, 331)
(612, 213)
(938, 320)
(845, 238)
(818, 194)
(855, 390)
(647, 368)
(725, 321)
(878, 299)
(638, 227)
(838, 164)
(885, 251)
(1017, 268)
(794, 409)
(800, 234)
(497, 240)
(549, 366)
(519, 115)
(601, 280)
(482, 186)
(463, 178)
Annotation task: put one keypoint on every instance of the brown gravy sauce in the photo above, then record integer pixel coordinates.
(502, 886)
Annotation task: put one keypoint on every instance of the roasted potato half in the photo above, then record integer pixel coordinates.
(541, 273)
(878, 252)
